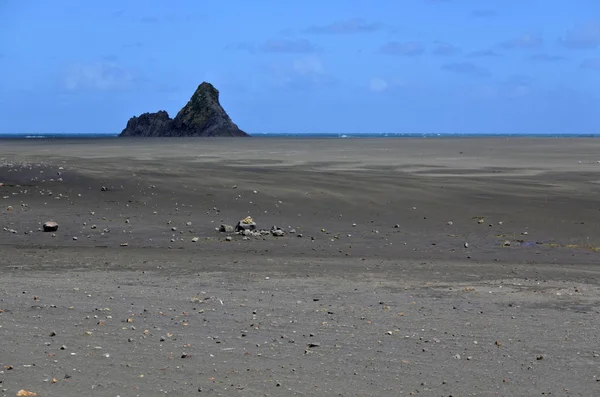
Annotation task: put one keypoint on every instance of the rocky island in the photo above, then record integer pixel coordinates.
(202, 116)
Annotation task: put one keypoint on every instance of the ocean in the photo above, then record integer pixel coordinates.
(317, 136)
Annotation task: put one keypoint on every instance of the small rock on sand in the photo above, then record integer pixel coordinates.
(245, 224)
(50, 226)
(277, 231)
(226, 228)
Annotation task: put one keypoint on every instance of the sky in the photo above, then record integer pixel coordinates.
(335, 66)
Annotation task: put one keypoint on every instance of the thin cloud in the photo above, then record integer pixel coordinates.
(302, 74)
(101, 76)
(591, 64)
(521, 79)
(377, 84)
(466, 69)
(584, 37)
(149, 19)
(308, 65)
(547, 58)
(483, 54)
(350, 26)
(523, 42)
(485, 14)
(241, 47)
(289, 46)
(110, 57)
(407, 48)
(517, 86)
(152, 85)
(446, 49)
(137, 44)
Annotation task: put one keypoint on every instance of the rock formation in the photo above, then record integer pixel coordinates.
(149, 124)
(202, 116)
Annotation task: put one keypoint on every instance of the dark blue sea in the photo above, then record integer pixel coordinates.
(318, 135)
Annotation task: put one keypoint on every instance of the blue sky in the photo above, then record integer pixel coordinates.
(340, 66)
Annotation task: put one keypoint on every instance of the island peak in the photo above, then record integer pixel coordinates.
(202, 116)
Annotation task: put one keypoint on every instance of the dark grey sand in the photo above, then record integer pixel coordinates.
(354, 307)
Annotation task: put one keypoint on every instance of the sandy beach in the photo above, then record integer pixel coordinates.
(435, 267)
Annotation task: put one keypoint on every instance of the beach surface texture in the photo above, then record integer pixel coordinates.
(368, 267)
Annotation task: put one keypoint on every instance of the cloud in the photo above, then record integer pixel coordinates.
(301, 74)
(308, 65)
(483, 14)
(446, 49)
(146, 84)
(547, 58)
(110, 57)
(591, 64)
(377, 84)
(137, 44)
(350, 26)
(396, 85)
(241, 47)
(466, 69)
(521, 79)
(523, 42)
(584, 37)
(289, 46)
(483, 54)
(517, 86)
(407, 48)
(149, 20)
(102, 76)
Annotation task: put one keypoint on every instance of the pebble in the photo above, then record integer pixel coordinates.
(50, 226)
